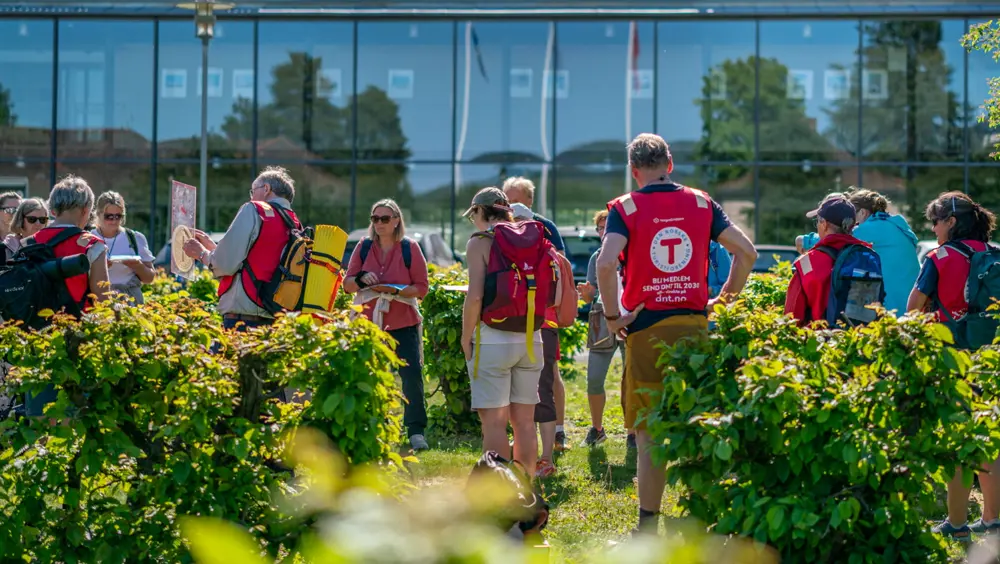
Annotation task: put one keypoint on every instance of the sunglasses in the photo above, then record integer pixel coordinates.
(384, 219)
(113, 216)
(32, 219)
(11, 211)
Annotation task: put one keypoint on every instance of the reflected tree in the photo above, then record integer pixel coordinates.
(7, 116)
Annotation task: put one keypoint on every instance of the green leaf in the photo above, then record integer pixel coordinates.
(775, 517)
(941, 332)
(850, 454)
(214, 541)
(330, 405)
(723, 451)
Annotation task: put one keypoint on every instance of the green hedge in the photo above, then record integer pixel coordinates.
(149, 426)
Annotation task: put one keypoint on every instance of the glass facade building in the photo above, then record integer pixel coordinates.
(766, 112)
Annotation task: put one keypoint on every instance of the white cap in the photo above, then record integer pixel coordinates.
(521, 211)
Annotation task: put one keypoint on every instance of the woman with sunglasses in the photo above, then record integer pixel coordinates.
(8, 207)
(129, 258)
(29, 218)
(388, 273)
(961, 226)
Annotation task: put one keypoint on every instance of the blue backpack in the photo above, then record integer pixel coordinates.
(856, 282)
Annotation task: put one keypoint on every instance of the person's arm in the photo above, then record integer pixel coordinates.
(588, 291)
(228, 256)
(143, 268)
(925, 287)
(798, 245)
(418, 273)
(744, 256)
(476, 252)
(796, 302)
(100, 281)
(353, 270)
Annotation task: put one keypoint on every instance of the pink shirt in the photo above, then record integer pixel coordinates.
(390, 269)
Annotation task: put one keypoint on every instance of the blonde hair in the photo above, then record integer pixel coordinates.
(23, 209)
(519, 183)
(600, 216)
(110, 198)
(400, 230)
(868, 200)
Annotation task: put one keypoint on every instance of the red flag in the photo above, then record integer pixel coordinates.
(634, 29)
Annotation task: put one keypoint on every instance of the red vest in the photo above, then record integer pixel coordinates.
(953, 274)
(264, 254)
(669, 234)
(815, 269)
(79, 285)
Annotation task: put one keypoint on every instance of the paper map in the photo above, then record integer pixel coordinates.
(183, 205)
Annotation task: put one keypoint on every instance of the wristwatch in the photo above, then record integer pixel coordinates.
(614, 317)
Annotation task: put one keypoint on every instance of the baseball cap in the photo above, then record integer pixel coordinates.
(492, 196)
(836, 209)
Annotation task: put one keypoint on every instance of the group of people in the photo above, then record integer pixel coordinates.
(668, 253)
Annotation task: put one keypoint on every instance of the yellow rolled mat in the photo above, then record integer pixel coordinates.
(325, 274)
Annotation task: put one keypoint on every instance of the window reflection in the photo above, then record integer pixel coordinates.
(982, 138)
(30, 178)
(913, 94)
(405, 90)
(305, 92)
(603, 89)
(808, 94)
(501, 112)
(228, 189)
(911, 188)
(322, 193)
(105, 90)
(732, 187)
(705, 94)
(788, 192)
(131, 180)
(984, 186)
(230, 92)
(25, 88)
(470, 178)
(423, 192)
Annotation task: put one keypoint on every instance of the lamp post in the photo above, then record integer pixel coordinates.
(204, 29)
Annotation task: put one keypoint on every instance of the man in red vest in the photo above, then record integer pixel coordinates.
(809, 290)
(250, 250)
(661, 233)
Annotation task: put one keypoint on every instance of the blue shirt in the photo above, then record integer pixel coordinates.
(719, 265)
(927, 281)
(551, 233)
(616, 224)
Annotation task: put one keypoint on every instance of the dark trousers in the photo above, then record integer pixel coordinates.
(410, 350)
(242, 325)
(545, 409)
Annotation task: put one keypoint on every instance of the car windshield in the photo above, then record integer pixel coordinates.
(766, 258)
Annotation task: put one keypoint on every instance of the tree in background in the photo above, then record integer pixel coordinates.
(985, 37)
(7, 116)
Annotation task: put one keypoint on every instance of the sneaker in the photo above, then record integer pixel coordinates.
(544, 469)
(560, 445)
(630, 443)
(981, 527)
(595, 437)
(961, 534)
(418, 442)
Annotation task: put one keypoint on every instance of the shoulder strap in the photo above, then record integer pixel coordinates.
(962, 248)
(63, 235)
(407, 250)
(366, 247)
(828, 251)
(131, 240)
(285, 217)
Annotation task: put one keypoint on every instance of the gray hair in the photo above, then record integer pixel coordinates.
(649, 151)
(8, 195)
(524, 185)
(400, 230)
(25, 207)
(71, 193)
(110, 198)
(279, 181)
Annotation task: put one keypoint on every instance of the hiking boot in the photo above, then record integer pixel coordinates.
(595, 437)
(418, 442)
(983, 527)
(560, 445)
(544, 469)
(630, 443)
(961, 534)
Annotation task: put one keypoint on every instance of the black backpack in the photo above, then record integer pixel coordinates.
(26, 289)
(366, 247)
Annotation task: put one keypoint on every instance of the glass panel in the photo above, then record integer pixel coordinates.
(132, 181)
(732, 187)
(913, 93)
(423, 192)
(705, 94)
(105, 94)
(982, 138)
(228, 189)
(30, 178)
(306, 88)
(470, 178)
(26, 88)
(322, 193)
(984, 187)
(230, 92)
(405, 90)
(788, 192)
(607, 67)
(911, 188)
(499, 92)
(808, 108)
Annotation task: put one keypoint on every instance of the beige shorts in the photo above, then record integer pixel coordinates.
(505, 375)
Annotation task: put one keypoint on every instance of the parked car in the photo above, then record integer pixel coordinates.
(580, 245)
(770, 255)
(436, 250)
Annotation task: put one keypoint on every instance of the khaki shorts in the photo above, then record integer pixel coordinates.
(641, 355)
(505, 375)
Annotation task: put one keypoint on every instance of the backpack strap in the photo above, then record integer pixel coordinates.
(132, 242)
(407, 251)
(62, 236)
(285, 217)
(365, 248)
(962, 248)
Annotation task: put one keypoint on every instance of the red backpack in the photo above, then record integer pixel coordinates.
(521, 279)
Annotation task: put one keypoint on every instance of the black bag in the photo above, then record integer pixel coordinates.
(531, 510)
(35, 281)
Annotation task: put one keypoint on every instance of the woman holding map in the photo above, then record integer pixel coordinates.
(130, 262)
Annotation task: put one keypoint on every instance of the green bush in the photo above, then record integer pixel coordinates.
(827, 445)
(149, 426)
(572, 341)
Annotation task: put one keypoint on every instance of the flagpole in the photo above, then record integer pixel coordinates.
(547, 70)
(464, 130)
(629, 79)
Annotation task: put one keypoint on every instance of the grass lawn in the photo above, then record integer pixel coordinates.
(592, 497)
